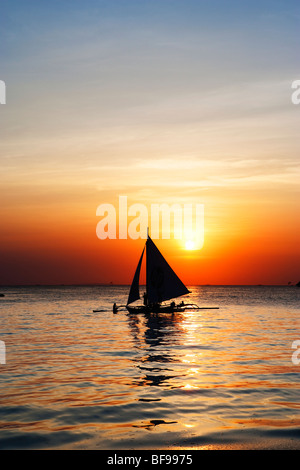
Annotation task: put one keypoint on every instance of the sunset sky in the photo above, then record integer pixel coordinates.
(164, 102)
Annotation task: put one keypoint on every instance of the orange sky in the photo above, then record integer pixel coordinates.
(244, 244)
(181, 106)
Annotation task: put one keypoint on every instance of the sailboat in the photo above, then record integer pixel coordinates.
(162, 284)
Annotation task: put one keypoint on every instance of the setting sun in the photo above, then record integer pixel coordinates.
(189, 245)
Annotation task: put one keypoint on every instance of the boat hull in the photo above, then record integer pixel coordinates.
(155, 309)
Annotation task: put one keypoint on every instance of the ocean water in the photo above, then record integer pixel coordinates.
(205, 379)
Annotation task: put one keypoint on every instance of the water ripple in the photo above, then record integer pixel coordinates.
(203, 379)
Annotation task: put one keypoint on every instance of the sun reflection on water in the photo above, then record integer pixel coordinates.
(123, 377)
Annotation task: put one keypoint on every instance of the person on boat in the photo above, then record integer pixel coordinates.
(115, 308)
(155, 307)
(173, 305)
(145, 298)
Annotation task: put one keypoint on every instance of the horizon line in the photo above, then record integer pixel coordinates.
(129, 284)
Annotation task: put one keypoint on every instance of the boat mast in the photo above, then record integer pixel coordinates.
(146, 264)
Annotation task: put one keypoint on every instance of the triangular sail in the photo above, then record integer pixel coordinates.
(162, 282)
(134, 293)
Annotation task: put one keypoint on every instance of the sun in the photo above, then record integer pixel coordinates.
(189, 245)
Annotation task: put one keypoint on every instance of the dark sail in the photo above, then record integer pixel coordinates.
(162, 282)
(134, 293)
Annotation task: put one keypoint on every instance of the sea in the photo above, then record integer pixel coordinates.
(224, 378)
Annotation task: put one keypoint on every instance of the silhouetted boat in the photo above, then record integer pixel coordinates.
(162, 284)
